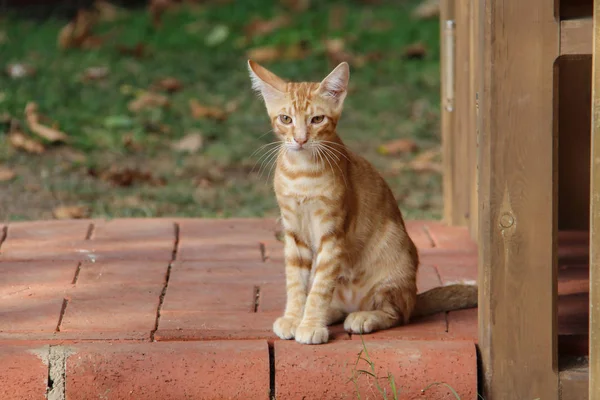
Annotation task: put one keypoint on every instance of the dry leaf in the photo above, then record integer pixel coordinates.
(19, 141)
(169, 84)
(130, 143)
(107, 12)
(19, 70)
(335, 49)
(265, 54)
(427, 9)
(71, 212)
(425, 166)
(297, 5)
(7, 174)
(190, 143)
(398, 146)
(199, 111)
(78, 33)
(127, 176)
(416, 51)
(259, 26)
(148, 100)
(95, 73)
(337, 17)
(427, 156)
(33, 121)
(156, 10)
(137, 51)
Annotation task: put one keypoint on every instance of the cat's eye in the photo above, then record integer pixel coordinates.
(285, 119)
(318, 119)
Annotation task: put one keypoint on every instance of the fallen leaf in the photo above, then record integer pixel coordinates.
(95, 73)
(127, 176)
(297, 5)
(426, 166)
(118, 122)
(427, 9)
(19, 141)
(33, 121)
(19, 70)
(296, 51)
(335, 49)
(169, 84)
(199, 111)
(147, 100)
(71, 212)
(427, 156)
(415, 51)
(216, 36)
(190, 143)
(259, 26)
(78, 33)
(156, 10)
(130, 143)
(7, 174)
(107, 12)
(337, 17)
(398, 146)
(137, 51)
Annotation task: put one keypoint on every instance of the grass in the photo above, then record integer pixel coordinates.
(391, 98)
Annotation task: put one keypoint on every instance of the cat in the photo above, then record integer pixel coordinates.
(348, 255)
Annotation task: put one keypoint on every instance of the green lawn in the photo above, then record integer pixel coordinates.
(203, 47)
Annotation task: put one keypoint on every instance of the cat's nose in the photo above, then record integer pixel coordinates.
(300, 141)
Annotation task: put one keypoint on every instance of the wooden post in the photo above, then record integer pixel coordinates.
(517, 201)
(594, 388)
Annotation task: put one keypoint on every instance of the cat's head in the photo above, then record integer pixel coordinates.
(304, 112)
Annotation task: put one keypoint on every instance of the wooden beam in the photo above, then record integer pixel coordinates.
(594, 387)
(576, 36)
(517, 198)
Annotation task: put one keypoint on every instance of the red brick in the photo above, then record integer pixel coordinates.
(272, 297)
(221, 325)
(133, 272)
(22, 372)
(134, 229)
(327, 371)
(462, 324)
(48, 230)
(191, 370)
(197, 325)
(427, 278)
(232, 239)
(196, 272)
(210, 297)
(416, 231)
(195, 250)
(45, 250)
(430, 328)
(453, 267)
(125, 310)
(29, 314)
(573, 279)
(37, 278)
(450, 237)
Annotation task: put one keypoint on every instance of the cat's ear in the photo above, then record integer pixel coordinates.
(270, 86)
(335, 85)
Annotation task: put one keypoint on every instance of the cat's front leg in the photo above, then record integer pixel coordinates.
(298, 261)
(313, 328)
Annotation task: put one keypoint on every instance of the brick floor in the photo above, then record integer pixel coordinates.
(184, 308)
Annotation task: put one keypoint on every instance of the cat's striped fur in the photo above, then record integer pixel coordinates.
(347, 252)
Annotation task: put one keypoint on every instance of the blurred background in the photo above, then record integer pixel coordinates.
(144, 108)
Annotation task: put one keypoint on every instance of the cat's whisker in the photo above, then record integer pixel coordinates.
(328, 144)
(281, 153)
(335, 155)
(268, 159)
(327, 152)
(264, 146)
(265, 158)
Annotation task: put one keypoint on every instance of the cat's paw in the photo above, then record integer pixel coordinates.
(312, 334)
(285, 327)
(361, 322)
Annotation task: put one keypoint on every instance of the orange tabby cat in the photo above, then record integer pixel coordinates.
(347, 252)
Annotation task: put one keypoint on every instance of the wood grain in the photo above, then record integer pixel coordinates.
(517, 201)
(576, 36)
(594, 387)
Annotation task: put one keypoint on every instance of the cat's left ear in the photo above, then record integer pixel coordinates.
(270, 86)
(335, 85)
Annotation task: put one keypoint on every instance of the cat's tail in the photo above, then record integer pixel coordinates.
(450, 297)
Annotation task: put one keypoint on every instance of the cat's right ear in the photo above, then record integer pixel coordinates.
(270, 86)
